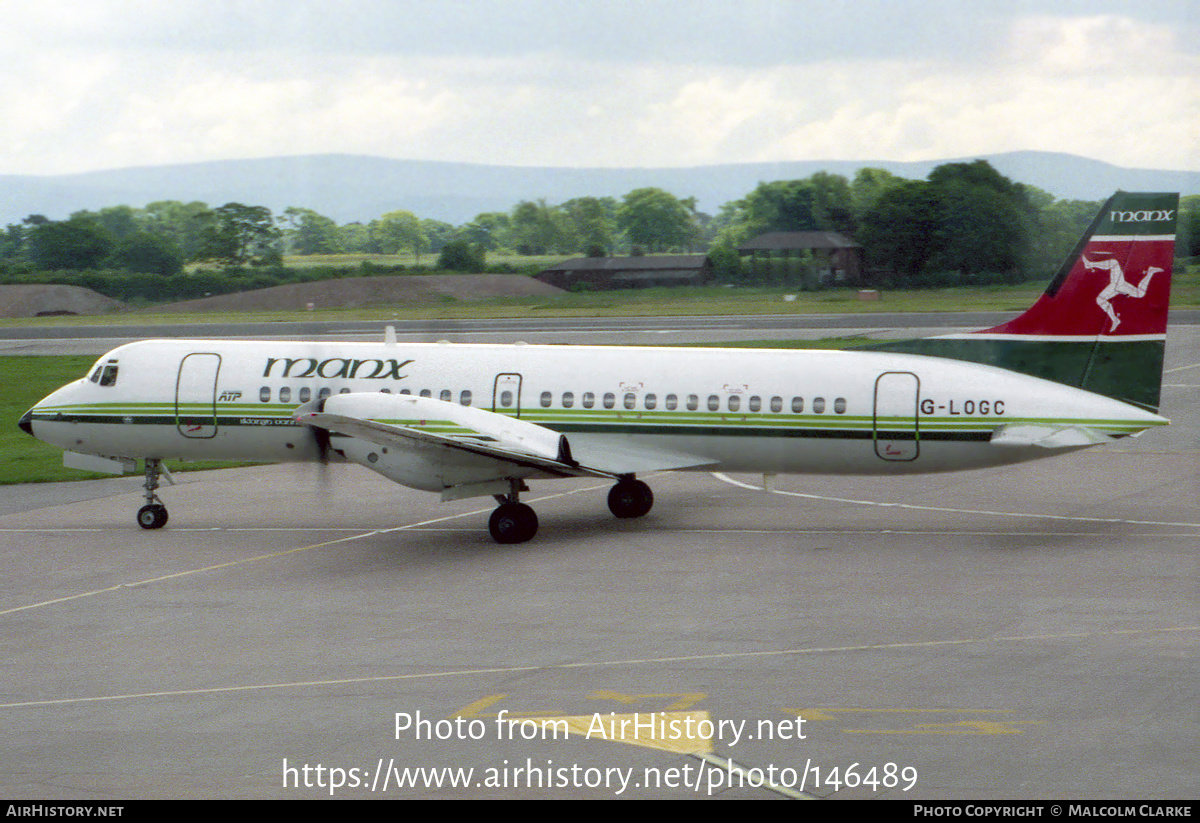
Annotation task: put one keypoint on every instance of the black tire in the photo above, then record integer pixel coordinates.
(152, 516)
(630, 498)
(513, 523)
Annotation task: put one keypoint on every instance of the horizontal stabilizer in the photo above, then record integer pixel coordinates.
(1048, 437)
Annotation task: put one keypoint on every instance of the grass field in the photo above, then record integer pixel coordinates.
(27, 380)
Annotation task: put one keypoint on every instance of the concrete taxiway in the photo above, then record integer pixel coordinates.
(1024, 632)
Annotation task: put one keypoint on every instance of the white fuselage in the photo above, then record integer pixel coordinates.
(773, 411)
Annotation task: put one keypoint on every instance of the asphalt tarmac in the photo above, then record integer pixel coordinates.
(1024, 632)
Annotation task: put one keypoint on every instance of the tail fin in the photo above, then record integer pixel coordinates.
(1102, 322)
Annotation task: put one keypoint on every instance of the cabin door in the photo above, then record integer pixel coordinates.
(506, 394)
(896, 429)
(196, 395)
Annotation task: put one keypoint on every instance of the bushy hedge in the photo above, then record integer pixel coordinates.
(134, 287)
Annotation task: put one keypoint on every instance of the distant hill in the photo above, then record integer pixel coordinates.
(356, 188)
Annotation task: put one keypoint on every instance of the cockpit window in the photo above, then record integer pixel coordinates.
(105, 374)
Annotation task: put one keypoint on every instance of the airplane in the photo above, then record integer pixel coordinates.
(1082, 366)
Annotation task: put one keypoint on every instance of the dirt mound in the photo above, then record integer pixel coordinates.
(36, 299)
(357, 292)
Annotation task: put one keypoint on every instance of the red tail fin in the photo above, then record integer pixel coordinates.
(1117, 282)
(1102, 323)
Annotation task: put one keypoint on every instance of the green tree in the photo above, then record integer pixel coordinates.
(78, 243)
(489, 230)
(868, 186)
(462, 255)
(147, 253)
(594, 221)
(397, 231)
(241, 234)
(311, 233)
(899, 232)
(188, 225)
(1188, 244)
(539, 228)
(656, 220)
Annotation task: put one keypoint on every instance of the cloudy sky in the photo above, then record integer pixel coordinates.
(96, 84)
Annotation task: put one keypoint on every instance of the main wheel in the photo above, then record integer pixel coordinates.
(513, 523)
(152, 516)
(630, 498)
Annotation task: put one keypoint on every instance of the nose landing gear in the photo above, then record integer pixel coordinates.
(153, 515)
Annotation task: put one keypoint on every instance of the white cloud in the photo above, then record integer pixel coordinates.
(80, 90)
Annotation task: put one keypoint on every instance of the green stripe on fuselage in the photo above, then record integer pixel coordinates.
(1129, 371)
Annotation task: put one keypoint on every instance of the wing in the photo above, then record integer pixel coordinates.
(469, 448)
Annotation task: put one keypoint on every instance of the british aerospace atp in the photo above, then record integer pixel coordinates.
(1082, 366)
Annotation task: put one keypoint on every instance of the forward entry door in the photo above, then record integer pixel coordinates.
(196, 395)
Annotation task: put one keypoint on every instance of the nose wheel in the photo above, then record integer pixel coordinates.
(153, 515)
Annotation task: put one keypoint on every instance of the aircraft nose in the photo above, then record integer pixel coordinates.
(26, 422)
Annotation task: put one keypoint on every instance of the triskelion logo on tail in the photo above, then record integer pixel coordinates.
(1117, 284)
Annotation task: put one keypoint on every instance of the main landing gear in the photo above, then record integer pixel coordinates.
(516, 522)
(153, 515)
(513, 521)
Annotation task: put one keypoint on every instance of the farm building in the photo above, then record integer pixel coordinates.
(605, 273)
(827, 257)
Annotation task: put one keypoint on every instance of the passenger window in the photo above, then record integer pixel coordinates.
(755, 403)
(630, 400)
(651, 401)
(464, 399)
(610, 400)
(776, 404)
(714, 402)
(546, 399)
(406, 391)
(819, 405)
(446, 396)
(693, 402)
(506, 399)
(285, 394)
(672, 402)
(426, 393)
(735, 402)
(589, 399)
(839, 405)
(797, 405)
(568, 399)
(324, 393)
(305, 394)
(264, 394)
(343, 391)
